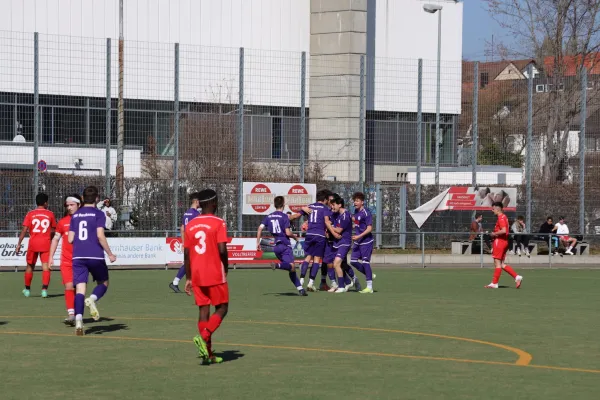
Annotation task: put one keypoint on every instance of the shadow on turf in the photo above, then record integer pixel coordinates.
(51, 296)
(100, 329)
(230, 355)
(3, 322)
(102, 319)
(287, 294)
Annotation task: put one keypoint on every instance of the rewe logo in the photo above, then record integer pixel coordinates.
(260, 198)
(297, 198)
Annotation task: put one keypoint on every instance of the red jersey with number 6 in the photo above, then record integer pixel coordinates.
(502, 223)
(202, 236)
(40, 223)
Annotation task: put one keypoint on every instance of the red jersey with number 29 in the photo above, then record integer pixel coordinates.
(202, 236)
(40, 223)
(502, 223)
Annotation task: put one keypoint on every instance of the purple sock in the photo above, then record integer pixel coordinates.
(359, 266)
(368, 271)
(79, 303)
(331, 274)
(100, 290)
(294, 279)
(181, 272)
(350, 272)
(285, 266)
(313, 270)
(303, 269)
(347, 279)
(341, 282)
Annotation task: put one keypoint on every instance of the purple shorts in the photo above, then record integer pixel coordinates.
(315, 246)
(362, 252)
(82, 267)
(329, 253)
(342, 252)
(284, 253)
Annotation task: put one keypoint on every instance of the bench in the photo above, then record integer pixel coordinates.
(462, 247)
(581, 248)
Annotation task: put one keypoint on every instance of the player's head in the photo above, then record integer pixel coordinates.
(478, 217)
(521, 218)
(72, 203)
(90, 195)
(279, 202)
(208, 201)
(41, 200)
(561, 219)
(359, 200)
(497, 207)
(323, 196)
(550, 220)
(195, 200)
(336, 203)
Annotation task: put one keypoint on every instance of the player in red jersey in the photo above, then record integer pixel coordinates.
(72, 204)
(500, 248)
(40, 223)
(206, 266)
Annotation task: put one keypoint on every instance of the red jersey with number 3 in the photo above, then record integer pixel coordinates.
(62, 228)
(502, 223)
(202, 236)
(40, 223)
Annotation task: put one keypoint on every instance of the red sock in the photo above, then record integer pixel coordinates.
(203, 331)
(214, 322)
(45, 278)
(70, 299)
(28, 278)
(510, 271)
(497, 273)
(209, 346)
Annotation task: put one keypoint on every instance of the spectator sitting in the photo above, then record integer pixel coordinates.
(476, 230)
(110, 212)
(562, 230)
(520, 239)
(546, 229)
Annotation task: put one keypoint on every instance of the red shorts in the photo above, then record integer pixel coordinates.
(32, 257)
(565, 238)
(215, 295)
(66, 271)
(499, 249)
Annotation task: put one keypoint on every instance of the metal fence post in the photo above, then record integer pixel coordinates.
(36, 112)
(379, 216)
(302, 116)
(403, 201)
(108, 119)
(241, 143)
(481, 250)
(582, 151)
(423, 249)
(361, 126)
(475, 145)
(176, 144)
(419, 135)
(120, 170)
(529, 140)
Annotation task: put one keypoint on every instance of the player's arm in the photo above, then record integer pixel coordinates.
(295, 216)
(330, 228)
(223, 256)
(290, 234)
(182, 231)
(259, 235)
(104, 244)
(21, 237)
(71, 237)
(53, 247)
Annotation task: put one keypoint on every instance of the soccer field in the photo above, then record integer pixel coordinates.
(425, 334)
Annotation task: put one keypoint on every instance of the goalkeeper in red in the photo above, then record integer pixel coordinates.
(206, 265)
(500, 248)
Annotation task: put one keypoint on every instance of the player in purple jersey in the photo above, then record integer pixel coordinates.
(278, 224)
(86, 233)
(315, 241)
(190, 214)
(341, 244)
(363, 240)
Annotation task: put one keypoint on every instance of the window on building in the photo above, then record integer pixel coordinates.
(484, 79)
(276, 138)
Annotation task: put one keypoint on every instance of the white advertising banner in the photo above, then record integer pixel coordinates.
(8, 257)
(258, 196)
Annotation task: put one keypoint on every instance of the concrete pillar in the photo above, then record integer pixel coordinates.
(338, 38)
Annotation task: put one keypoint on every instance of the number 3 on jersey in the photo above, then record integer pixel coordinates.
(201, 246)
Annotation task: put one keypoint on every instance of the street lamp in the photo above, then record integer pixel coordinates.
(432, 9)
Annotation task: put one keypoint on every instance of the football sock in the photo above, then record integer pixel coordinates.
(213, 323)
(358, 266)
(370, 284)
(349, 271)
(510, 271)
(45, 279)
(303, 269)
(497, 273)
(70, 301)
(79, 303)
(324, 273)
(98, 292)
(285, 266)
(347, 279)
(295, 280)
(313, 270)
(331, 274)
(341, 282)
(28, 279)
(368, 271)
(202, 330)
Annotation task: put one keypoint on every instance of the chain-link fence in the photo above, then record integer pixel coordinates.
(186, 117)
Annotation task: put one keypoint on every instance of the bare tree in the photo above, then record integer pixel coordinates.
(551, 31)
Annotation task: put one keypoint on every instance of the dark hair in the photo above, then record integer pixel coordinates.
(195, 196)
(520, 218)
(561, 217)
(41, 199)
(78, 197)
(337, 199)
(90, 194)
(358, 196)
(289, 213)
(498, 204)
(279, 202)
(207, 197)
(547, 218)
(323, 195)
(478, 215)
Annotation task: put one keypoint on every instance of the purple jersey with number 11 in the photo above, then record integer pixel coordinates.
(316, 219)
(277, 223)
(85, 223)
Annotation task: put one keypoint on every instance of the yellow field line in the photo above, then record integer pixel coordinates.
(261, 346)
(524, 358)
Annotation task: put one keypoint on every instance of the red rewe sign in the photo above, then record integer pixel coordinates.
(260, 198)
(297, 198)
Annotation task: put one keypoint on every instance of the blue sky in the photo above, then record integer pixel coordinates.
(478, 28)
